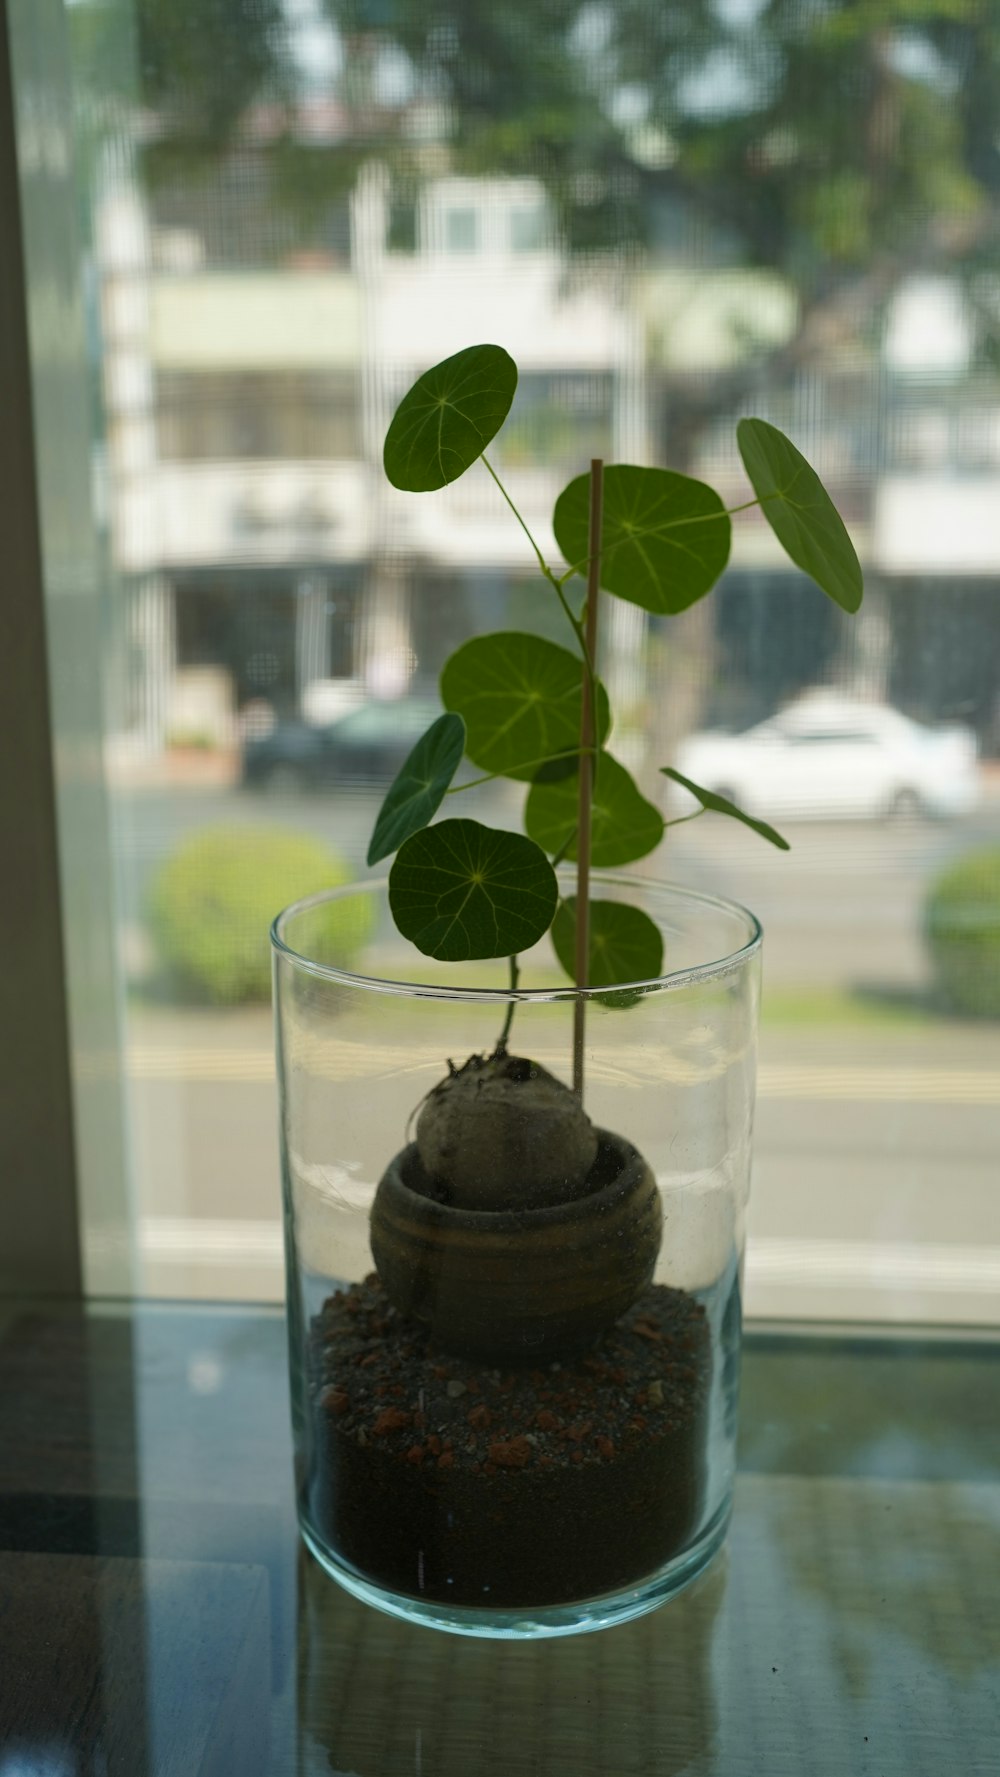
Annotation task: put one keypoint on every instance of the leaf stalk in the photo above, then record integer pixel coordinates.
(553, 579)
(491, 777)
(515, 976)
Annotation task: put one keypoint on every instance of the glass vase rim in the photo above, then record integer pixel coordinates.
(671, 981)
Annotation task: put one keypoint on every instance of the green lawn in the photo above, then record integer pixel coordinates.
(839, 1007)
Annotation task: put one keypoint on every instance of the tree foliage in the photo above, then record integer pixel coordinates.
(844, 146)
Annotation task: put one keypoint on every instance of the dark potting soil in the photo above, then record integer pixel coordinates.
(436, 1477)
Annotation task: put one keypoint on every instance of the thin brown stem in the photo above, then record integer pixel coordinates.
(588, 771)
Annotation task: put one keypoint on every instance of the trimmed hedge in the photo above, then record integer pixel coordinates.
(962, 926)
(212, 903)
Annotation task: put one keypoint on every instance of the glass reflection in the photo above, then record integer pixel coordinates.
(156, 1601)
(642, 1695)
(38, 1760)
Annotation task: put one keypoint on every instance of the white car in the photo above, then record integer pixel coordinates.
(826, 756)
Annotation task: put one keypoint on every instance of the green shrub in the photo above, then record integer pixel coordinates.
(212, 903)
(962, 924)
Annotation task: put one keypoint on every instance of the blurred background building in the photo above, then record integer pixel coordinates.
(250, 360)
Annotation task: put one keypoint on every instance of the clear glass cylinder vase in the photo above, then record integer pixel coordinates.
(514, 1310)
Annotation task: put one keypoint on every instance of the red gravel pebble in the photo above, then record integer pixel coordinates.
(391, 1419)
(515, 1453)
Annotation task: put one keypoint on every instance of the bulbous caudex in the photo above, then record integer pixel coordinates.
(503, 1133)
(511, 1228)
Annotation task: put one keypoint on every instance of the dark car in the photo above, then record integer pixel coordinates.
(366, 746)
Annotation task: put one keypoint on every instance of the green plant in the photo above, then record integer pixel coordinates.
(962, 926)
(212, 902)
(524, 708)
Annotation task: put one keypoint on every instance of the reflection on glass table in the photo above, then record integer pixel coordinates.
(159, 1616)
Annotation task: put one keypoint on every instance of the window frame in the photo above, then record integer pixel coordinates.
(64, 1225)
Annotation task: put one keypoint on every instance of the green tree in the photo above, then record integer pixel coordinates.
(845, 145)
(193, 68)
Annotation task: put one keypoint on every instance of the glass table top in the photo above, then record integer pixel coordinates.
(158, 1615)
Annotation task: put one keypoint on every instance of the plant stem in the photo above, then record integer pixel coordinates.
(588, 771)
(515, 976)
(563, 849)
(553, 579)
(490, 777)
(543, 564)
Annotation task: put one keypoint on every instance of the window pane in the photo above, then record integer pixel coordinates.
(460, 231)
(671, 217)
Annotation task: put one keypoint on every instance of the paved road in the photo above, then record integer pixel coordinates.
(876, 1185)
(842, 1192)
(877, 1178)
(842, 908)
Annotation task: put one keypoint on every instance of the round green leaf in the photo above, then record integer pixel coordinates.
(665, 537)
(418, 790)
(624, 826)
(520, 698)
(462, 891)
(722, 805)
(448, 418)
(800, 512)
(624, 945)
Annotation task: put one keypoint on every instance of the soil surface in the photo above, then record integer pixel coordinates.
(437, 1477)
